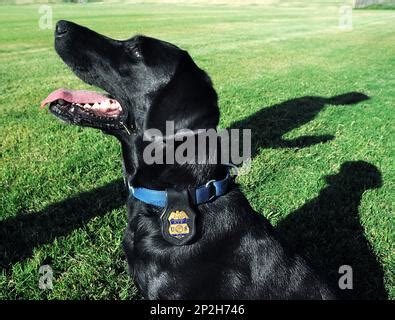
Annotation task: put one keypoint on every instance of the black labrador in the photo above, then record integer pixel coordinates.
(235, 252)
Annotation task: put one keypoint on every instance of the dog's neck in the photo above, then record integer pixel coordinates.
(163, 176)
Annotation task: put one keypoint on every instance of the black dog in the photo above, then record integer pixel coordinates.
(234, 252)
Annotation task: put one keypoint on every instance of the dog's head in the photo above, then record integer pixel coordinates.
(147, 82)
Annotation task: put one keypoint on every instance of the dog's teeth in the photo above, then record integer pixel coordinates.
(87, 106)
(105, 104)
(96, 106)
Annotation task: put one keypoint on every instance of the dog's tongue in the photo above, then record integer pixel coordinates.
(74, 96)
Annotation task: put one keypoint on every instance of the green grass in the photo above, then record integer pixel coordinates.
(381, 6)
(59, 184)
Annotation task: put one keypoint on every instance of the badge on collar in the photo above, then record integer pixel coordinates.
(178, 218)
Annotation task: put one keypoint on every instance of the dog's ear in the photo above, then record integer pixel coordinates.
(189, 100)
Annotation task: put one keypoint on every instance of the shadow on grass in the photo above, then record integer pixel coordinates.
(268, 125)
(19, 235)
(328, 232)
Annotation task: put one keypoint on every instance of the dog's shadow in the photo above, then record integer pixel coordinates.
(307, 228)
(327, 230)
(19, 235)
(269, 125)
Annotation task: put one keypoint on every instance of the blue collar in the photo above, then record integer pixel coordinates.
(210, 191)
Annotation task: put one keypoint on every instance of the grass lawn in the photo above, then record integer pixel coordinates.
(319, 101)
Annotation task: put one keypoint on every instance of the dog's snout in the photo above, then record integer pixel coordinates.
(61, 28)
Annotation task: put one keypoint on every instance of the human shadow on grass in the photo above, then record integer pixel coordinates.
(269, 125)
(327, 230)
(19, 235)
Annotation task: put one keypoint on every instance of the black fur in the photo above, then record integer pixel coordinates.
(236, 253)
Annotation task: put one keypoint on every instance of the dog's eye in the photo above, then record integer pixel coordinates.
(134, 51)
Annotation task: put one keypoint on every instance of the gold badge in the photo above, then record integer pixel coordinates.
(178, 226)
(178, 218)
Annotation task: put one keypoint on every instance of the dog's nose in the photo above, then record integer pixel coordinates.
(61, 28)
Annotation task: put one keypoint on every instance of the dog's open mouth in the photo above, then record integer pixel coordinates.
(85, 107)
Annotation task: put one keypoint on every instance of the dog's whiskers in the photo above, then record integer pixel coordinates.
(126, 128)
